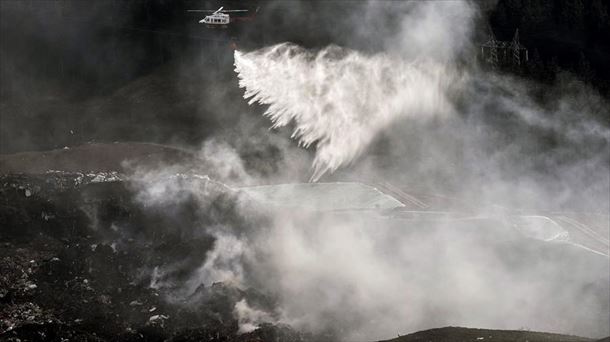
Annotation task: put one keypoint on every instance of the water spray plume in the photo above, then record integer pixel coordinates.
(340, 99)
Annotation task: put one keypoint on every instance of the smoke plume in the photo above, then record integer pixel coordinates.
(415, 115)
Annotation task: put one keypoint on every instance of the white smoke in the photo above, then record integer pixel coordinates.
(224, 262)
(248, 318)
(363, 276)
(368, 277)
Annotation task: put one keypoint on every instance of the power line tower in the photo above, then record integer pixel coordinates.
(498, 54)
(489, 51)
(517, 50)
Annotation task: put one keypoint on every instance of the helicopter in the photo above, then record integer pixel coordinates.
(221, 18)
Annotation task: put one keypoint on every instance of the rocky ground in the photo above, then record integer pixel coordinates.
(62, 278)
(78, 260)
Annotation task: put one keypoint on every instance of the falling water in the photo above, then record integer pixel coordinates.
(339, 99)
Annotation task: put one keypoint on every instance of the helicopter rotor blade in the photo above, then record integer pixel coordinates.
(220, 10)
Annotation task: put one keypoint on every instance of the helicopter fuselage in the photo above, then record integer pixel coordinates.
(216, 20)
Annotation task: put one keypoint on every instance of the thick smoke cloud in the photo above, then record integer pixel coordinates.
(506, 151)
(357, 275)
(507, 145)
(499, 144)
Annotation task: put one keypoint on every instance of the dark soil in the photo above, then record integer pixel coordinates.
(456, 334)
(95, 157)
(68, 274)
